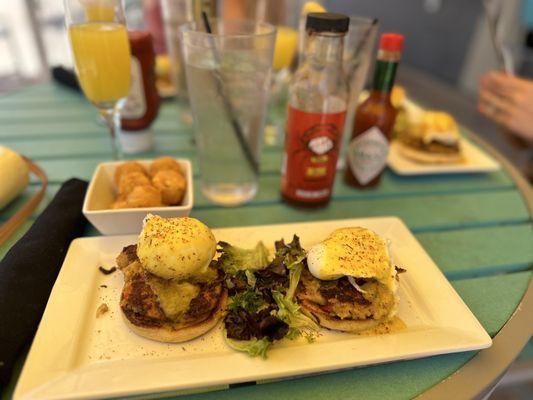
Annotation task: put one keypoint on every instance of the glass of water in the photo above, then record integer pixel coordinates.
(359, 45)
(228, 80)
(176, 13)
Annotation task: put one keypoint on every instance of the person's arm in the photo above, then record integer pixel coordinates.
(508, 101)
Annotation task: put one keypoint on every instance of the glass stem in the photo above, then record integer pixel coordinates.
(112, 119)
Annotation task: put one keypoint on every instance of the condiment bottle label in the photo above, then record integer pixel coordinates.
(135, 106)
(312, 143)
(367, 154)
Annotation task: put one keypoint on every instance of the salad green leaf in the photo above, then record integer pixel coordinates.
(234, 259)
(254, 347)
(262, 309)
(292, 256)
(290, 313)
(250, 278)
(251, 300)
(292, 252)
(295, 271)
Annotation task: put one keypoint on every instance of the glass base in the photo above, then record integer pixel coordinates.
(229, 194)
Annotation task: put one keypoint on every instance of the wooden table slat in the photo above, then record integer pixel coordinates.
(76, 109)
(479, 252)
(465, 210)
(85, 127)
(60, 169)
(419, 213)
(391, 186)
(95, 145)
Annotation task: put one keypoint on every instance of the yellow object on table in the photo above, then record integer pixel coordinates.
(99, 47)
(312, 6)
(398, 96)
(163, 68)
(426, 124)
(285, 48)
(438, 121)
(14, 175)
(163, 73)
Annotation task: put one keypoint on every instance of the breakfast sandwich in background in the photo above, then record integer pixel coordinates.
(428, 137)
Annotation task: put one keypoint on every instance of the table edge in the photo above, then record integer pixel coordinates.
(479, 376)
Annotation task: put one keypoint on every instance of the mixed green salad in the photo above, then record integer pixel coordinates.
(261, 310)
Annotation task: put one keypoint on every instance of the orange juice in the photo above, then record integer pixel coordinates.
(102, 57)
(99, 12)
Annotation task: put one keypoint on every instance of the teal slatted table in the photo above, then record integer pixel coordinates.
(476, 227)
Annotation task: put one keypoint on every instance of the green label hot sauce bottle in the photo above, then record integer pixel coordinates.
(374, 119)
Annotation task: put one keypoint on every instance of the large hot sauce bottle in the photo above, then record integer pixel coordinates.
(316, 113)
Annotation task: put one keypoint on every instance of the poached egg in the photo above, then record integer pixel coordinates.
(175, 248)
(354, 252)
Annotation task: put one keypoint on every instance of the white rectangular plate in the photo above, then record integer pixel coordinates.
(476, 161)
(76, 355)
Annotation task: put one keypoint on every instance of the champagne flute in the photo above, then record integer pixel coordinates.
(100, 48)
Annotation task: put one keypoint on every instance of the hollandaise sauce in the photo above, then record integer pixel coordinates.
(394, 325)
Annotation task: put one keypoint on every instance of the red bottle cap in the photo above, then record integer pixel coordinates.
(391, 42)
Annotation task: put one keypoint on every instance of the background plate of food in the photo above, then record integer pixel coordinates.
(313, 297)
(430, 142)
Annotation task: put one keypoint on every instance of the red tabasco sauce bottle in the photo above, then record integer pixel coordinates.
(317, 108)
(369, 147)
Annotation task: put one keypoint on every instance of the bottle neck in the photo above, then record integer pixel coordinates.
(324, 48)
(385, 71)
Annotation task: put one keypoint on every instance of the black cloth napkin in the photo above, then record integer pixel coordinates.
(30, 268)
(66, 77)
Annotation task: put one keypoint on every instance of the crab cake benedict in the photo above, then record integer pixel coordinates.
(350, 284)
(171, 293)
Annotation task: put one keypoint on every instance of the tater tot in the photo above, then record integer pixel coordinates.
(126, 168)
(172, 186)
(131, 180)
(164, 163)
(144, 196)
(119, 203)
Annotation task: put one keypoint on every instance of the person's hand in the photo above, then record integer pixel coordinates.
(508, 101)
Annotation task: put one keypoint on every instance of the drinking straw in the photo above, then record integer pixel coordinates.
(364, 39)
(358, 49)
(230, 112)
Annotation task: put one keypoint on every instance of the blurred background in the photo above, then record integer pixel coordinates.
(446, 38)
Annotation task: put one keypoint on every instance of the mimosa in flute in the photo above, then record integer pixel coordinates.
(99, 42)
